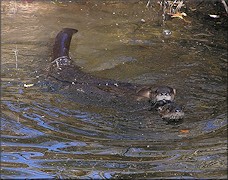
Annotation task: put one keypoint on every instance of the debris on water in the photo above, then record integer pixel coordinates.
(214, 16)
(184, 131)
(28, 85)
(80, 90)
(143, 20)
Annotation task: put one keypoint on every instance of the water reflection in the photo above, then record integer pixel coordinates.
(49, 132)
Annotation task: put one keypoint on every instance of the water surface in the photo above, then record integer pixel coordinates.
(48, 132)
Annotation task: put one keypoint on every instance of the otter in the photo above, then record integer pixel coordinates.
(170, 111)
(63, 69)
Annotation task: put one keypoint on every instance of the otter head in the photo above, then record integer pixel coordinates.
(161, 93)
(171, 112)
(164, 93)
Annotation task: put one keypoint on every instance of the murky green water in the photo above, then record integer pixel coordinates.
(53, 133)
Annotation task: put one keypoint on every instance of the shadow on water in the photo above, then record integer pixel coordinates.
(50, 132)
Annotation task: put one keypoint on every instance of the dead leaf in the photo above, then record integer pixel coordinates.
(178, 15)
(184, 130)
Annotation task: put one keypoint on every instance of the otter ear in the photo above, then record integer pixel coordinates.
(145, 92)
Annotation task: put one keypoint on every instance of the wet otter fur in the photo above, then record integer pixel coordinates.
(63, 69)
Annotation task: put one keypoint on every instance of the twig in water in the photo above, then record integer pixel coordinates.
(225, 5)
(16, 53)
(15, 7)
(148, 3)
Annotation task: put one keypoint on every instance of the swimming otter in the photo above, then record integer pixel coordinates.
(170, 111)
(63, 69)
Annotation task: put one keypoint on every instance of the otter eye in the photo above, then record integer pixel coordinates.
(163, 94)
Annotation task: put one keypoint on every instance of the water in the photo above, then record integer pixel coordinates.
(50, 132)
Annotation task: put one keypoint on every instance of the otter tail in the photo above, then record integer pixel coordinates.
(62, 43)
